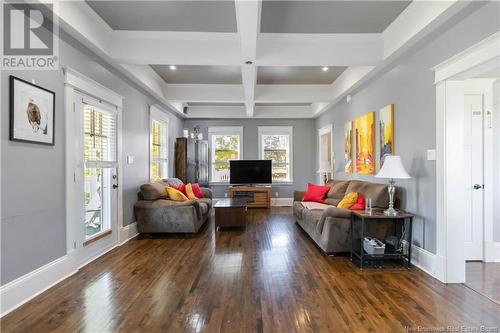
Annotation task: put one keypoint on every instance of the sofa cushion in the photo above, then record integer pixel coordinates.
(154, 191)
(377, 192)
(173, 181)
(316, 193)
(349, 200)
(332, 202)
(176, 195)
(338, 189)
(314, 205)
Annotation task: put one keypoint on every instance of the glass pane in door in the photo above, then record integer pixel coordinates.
(97, 196)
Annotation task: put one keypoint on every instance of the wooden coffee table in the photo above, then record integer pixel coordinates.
(230, 212)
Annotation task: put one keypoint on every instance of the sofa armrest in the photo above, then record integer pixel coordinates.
(298, 195)
(207, 193)
(338, 212)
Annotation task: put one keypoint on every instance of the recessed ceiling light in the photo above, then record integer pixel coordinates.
(172, 67)
(324, 69)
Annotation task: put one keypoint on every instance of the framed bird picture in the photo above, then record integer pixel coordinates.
(32, 112)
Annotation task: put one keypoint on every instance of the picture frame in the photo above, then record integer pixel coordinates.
(32, 112)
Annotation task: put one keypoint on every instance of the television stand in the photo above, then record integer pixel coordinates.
(259, 196)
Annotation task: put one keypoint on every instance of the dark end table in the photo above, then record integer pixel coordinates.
(403, 223)
(231, 212)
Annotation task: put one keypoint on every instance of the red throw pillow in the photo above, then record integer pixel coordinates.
(360, 204)
(197, 190)
(181, 188)
(316, 193)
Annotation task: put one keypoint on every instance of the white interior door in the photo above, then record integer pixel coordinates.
(474, 173)
(96, 177)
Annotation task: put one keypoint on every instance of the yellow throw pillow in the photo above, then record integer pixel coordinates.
(348, 200)
(176, 195)
(190, 193)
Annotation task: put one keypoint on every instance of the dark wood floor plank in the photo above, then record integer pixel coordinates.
(269, 277)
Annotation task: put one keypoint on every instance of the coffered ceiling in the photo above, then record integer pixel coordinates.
(253, 58)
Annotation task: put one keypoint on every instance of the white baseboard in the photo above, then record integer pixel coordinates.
(28, 286)
(426, 261)
(282, 202)
(128, 232)
(492, 251)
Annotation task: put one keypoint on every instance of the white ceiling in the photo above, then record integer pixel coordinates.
(329, 16)
(253, 58)
(198, 16)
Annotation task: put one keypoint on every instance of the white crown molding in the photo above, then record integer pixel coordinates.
(480, 53)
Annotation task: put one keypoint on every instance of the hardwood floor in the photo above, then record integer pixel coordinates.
(484, 278)
(267, 278)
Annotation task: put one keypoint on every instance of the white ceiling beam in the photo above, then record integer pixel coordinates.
(232, 111)
(347, 81)
(320, 49)
(293, 93)
(176, 48)
(248, 22)
(205, 93)
(150, 80)
(234, 93)
(416, 21)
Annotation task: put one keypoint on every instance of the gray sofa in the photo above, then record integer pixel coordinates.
(155, 213)
(330, 226)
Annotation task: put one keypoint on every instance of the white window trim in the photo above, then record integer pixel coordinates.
(328, 129)
(278, 130)
(156, 114)
(223, 130)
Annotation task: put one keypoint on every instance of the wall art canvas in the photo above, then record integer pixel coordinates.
(348, 145)
(365, 144)
(32, 112)
(386, 132)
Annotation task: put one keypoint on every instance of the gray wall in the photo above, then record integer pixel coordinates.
(410, 86)
(304, 156)
(33, 185)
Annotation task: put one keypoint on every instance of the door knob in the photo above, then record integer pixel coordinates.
(477, 186)
(115, 186)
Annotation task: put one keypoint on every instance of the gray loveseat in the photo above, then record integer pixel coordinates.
(330, 226)
(155, 213)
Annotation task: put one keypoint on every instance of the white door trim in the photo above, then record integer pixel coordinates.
(76, 82)
(449, 152)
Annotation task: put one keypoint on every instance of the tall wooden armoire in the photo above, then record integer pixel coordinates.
(191, 161)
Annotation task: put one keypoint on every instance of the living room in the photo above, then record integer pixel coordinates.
(279, 100)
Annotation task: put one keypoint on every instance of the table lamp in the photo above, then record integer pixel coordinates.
(324, 168)
(393, 169)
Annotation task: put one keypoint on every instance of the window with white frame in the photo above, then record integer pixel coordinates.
(275, 144)
(225, 145)
(158, 142)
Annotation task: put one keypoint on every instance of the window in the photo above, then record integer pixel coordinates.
(275, 144)
(225, 145)
(100, 158)
(158, 160)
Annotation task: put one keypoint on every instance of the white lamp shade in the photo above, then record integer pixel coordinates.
(324, 166)
(393, 168)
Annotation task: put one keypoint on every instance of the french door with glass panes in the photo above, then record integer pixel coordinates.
(96, 174)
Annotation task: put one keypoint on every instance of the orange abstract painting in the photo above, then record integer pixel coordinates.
(365, 144)
(348, 147)
(386, 129)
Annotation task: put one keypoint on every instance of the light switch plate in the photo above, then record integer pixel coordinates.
(431, 155)
(130, 159)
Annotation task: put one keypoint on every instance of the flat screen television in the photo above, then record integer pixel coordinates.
(250, 172)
